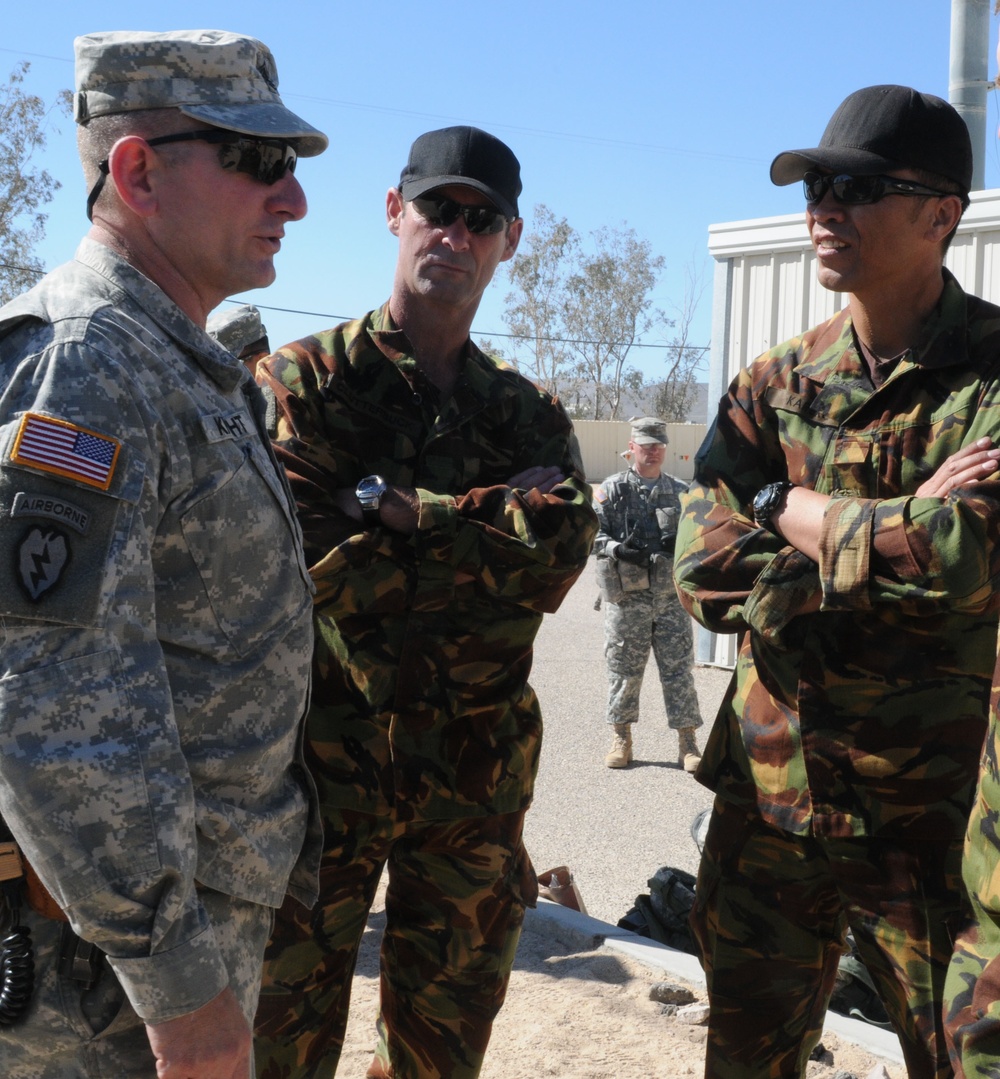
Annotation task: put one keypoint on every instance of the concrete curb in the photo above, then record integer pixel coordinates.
(590, 933)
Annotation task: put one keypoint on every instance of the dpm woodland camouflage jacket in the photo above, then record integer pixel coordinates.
(859, 701)
(421, 698)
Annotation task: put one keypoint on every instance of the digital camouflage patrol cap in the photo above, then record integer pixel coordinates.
(239, 329)
(226, 80)
(647, 430)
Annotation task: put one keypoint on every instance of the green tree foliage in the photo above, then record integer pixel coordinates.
(535, 306)
(578, 312)
(607, 312)
(24, 189)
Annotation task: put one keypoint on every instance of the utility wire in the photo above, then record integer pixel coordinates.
(393, 110)
(344, 318)
(479, 333)
(23, 269)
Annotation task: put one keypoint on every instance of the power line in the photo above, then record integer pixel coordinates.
(23, 269)
(38, 55)
(478, 333)
(392, 110)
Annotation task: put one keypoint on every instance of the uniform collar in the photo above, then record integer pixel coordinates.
(218, 364)
(831, 348)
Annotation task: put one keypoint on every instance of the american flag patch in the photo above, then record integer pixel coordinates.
(66, 450)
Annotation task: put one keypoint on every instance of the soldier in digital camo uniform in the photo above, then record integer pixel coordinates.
(637, 512)
(838, 521)
(444, 511)
(240, 331)
(156, 607)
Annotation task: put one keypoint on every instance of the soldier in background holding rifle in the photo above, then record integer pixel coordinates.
(637, 511)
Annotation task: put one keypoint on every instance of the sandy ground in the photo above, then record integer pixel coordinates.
(578, 1012)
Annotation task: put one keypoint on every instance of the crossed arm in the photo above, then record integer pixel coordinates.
(799, 518)
(400, 505)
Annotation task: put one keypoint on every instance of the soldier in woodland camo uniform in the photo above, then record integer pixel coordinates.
(972, 990)
(156, 606)
(444, 512)
(637, 512)
(845, 520)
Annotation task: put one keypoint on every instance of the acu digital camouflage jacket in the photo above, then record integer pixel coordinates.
(859, 700)
(154, 664)
(421, 699)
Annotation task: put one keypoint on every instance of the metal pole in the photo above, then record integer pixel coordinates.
(968, 81)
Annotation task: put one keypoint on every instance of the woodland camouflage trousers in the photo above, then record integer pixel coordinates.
(770, 918)
(454, 907)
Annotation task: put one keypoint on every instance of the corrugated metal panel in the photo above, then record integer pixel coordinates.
(759, 301)
(789, 298)
(990, 263)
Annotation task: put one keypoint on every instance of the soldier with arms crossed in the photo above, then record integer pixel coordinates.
(832, 523)
(444, 511)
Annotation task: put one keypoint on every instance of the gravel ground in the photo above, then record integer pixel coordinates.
(613, 827)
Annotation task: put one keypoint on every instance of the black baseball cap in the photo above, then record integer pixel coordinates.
(886, 127)
(467, 156)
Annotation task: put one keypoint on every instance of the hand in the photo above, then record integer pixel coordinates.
(347, 502)
(537, 478)
(971, 464)
(632, 550)
(214, 1042)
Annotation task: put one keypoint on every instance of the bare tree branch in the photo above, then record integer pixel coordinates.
(675, 394)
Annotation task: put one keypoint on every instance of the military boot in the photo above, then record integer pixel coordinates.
(620, 755)
(688, 754)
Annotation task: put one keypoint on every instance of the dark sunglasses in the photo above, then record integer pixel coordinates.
(861, 190)
(266, 160)
(441, 211)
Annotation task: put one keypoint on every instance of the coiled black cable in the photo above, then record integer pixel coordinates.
(17, 971)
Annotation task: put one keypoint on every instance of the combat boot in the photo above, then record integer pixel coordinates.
(620, 755)
(688, 754)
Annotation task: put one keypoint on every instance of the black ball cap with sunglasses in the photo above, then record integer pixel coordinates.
(877, 130)
(468, 157)
(228, 81)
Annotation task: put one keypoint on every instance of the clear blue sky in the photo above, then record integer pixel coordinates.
(657, 114)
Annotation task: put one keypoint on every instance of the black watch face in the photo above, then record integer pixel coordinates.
(764, 503)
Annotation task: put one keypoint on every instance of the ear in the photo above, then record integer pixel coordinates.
(133, 165)
(947, 214)
(393, 209)
(514, 231)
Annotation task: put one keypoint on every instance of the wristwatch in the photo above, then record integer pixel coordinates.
(370, 492)
(767, 500)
